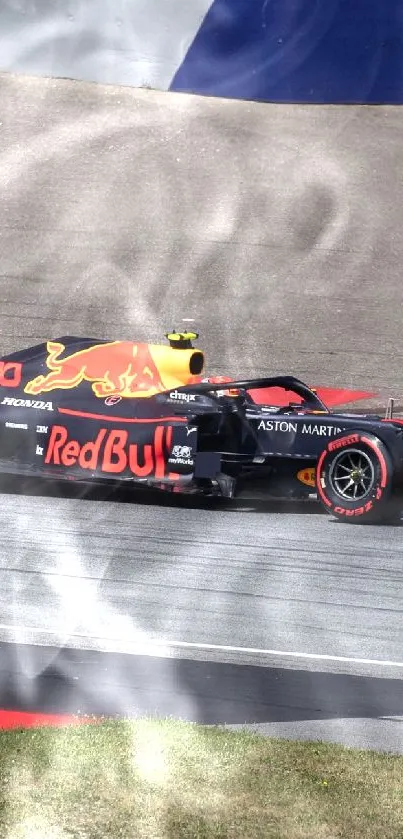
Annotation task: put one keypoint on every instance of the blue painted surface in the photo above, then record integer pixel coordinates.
(315, 51)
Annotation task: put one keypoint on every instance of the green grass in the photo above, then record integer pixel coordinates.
(165, 779)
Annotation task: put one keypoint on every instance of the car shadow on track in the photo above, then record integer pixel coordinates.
(149, 497)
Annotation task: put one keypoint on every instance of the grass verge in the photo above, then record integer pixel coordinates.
(170, 780)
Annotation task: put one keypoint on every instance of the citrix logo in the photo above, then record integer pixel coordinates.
(183, 397)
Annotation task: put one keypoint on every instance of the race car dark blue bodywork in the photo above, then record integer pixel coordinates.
(95, 411)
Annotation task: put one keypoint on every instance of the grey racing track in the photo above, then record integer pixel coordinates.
(101, 600)
(278, 229)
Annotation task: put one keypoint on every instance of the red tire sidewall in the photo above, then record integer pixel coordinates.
(381, 488)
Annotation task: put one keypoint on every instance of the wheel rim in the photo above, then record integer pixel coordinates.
(352, 475)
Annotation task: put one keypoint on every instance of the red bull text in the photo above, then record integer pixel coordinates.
(112, 453)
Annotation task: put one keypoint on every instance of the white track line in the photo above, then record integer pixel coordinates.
(149, 648)
(284, 654)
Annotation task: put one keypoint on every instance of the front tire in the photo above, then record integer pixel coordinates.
(354, 480)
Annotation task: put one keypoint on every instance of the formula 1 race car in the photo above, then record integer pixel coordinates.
(138, 413)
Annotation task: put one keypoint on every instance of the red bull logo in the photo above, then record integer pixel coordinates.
(112, 453)
(119, 368)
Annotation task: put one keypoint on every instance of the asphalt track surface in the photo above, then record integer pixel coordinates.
(278, 228)
(268, 616)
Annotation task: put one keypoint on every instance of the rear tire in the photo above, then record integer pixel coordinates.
(354, 480)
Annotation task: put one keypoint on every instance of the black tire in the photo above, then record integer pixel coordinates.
(354, 480)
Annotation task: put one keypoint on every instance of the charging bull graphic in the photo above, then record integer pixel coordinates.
(119, 368)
